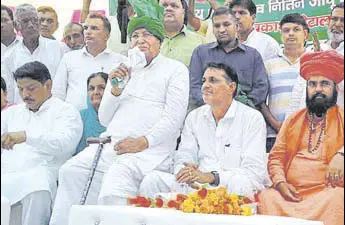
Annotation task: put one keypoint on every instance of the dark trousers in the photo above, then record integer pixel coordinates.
(269, 144)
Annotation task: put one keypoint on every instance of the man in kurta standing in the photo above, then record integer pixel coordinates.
(306, 164)
(143, 118)
(37, 137)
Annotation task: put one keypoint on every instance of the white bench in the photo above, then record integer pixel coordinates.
(128, 215)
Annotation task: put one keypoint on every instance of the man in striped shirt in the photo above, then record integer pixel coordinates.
(283, 72)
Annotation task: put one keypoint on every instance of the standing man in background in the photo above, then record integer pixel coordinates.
(9, 38)
(245, 13)
(48, 21)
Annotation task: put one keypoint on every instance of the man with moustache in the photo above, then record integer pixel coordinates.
(179, 43)
(143, 116)
(215, 147)
(306, 164)
(70, 82)
(73, 37)
(9, 38)
(37, 137)
(247, 61)
(32, 47)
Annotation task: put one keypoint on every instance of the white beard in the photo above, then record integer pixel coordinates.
(337, 38)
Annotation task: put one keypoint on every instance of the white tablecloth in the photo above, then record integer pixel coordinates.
(128, 215)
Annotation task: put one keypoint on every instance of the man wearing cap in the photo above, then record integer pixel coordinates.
(143, 119)
(306, 164)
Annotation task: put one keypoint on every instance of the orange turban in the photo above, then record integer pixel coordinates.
(329, 64)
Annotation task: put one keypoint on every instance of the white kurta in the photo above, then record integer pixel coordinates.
(52, 134)
(267, 46)
(235, 148)
(5, 48)
(48, 52)
(154, 105)
(70, 83)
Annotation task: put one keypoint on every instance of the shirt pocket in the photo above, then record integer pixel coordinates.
(232, 156)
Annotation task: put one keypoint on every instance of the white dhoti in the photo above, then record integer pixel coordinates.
(116, 176)
(159, 182)
(36, 209)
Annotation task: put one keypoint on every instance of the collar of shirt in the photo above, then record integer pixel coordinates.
(239, 46)
(282, 55)
(182, 32)
(45, 106)
(230, 114)
(250, 36)
(41, 42)
(85, 52)
(154, 62)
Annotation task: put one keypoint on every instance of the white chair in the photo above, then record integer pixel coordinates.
(5, 211)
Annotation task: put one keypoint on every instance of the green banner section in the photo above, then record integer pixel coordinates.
(270, 12)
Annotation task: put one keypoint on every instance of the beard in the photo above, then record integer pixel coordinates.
(225, 43)
(337, 38)
(320, 103)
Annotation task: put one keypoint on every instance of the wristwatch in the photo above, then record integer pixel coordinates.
(216, 179)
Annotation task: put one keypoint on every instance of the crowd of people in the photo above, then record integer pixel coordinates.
(180, 104)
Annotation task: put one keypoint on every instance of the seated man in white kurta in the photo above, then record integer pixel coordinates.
(144, 120)
(223, 142)
(37, 137)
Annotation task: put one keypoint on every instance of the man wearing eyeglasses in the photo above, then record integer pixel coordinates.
(32, 47)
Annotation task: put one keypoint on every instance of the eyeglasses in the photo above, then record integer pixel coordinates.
(144, 35)
(33, 20)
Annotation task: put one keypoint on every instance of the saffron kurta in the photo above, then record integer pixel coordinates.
(291, 162)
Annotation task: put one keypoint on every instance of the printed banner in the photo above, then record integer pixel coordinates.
(270, 12)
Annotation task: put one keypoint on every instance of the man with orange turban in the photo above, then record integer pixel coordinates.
(306, 164)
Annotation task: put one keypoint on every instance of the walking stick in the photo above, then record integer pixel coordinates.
(100, 142)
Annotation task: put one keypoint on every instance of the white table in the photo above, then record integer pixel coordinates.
(129, 215)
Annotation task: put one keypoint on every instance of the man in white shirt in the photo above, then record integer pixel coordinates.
(31, 48)
(143, 119)
(335, 31)
(8, 36)
(73, 37)
(245, 12)
(37, 137)
(70, 83)
(222, 144)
